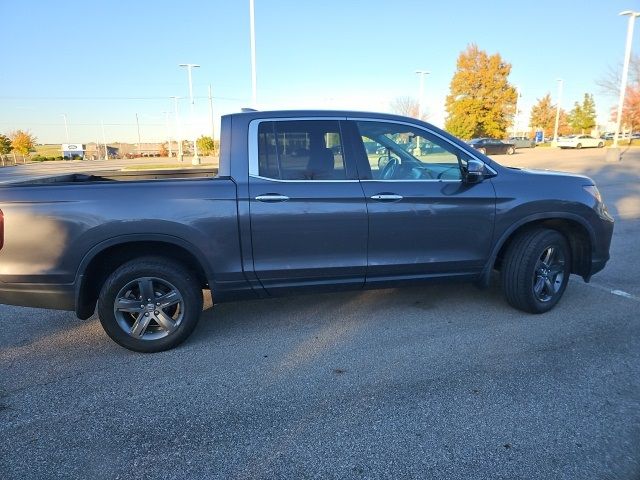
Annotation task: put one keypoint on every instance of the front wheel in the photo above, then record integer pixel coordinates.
(579, 146)
(511, 150)
(482, 150)
(600, 145)
(150, 304)
(535, 270)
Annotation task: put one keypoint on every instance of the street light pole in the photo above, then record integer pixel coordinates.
(178, 132)
(190, 66)
(104, 141)
(515, 116)
(138, 127)
(555, 129)
(252, 28)
(625, 71)
(66, 127)
(421, 73)
(166, 118)
(213, 128)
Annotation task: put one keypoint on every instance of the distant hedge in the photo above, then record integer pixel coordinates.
(40, 158)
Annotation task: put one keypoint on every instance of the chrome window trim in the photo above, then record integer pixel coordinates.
(302, 181)
(430, 132)
(448, 180)
(254, 169)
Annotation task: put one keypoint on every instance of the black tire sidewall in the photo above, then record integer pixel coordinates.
(519, 274)
(172, 272)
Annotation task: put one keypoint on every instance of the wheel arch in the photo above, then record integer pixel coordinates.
(578, 233)
(105, 257)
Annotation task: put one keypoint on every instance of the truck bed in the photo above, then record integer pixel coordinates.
(119, 176)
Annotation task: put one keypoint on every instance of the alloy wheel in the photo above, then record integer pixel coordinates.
(549, 273)
(148, 308)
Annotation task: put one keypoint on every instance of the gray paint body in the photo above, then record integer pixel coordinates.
(328, 235)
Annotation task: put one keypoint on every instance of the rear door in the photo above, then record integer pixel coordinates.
(307, 208)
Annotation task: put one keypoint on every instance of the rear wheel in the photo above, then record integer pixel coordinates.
(601, 144)
(511, 150)
(579, 145)
(150, 304)
(482, 150)
(535, 270)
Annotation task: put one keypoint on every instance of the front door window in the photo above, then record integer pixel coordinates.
(401, 152)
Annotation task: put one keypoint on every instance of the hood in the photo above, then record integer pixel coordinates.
(553, 173)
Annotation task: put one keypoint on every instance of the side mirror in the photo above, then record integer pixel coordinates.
(474, 172)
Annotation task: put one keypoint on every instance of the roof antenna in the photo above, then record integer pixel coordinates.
(247, 110)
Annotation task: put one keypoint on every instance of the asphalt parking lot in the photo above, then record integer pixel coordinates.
(441, 381)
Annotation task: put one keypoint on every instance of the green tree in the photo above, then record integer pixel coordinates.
(543, 116)
(481, 101)
(583, 116)
(22, 142)
(206, 145)
(5, 145)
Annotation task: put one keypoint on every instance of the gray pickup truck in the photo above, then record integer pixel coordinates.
(304, 201)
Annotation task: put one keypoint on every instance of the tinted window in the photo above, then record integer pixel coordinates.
(301, 150)
(402, 152)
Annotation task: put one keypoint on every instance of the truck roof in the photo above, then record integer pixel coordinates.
(319, 113)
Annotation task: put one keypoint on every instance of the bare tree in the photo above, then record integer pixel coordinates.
(609, 83)
(406, 106)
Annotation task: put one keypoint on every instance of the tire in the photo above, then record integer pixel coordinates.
(600, 145)
(511, 151)
(154, 325)
(483, 151)
(528, 284)
(579, 146)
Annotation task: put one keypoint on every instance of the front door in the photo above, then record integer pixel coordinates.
(308, 212)
(424, 220)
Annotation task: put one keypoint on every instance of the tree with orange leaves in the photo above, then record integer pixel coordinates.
(481, 102)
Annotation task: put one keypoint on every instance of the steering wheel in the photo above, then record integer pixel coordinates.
(440, 175)
(389, 169)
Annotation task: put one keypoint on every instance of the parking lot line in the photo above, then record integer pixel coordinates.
(614, 291)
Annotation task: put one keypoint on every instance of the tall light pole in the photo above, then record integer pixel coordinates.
(138, 127)
(422, 74)
(178, 132)
(104, 141)
(555, 129)
(625, 71)
(66, 126)
(166, 119)
(252, 28)
(190, 66)
(515, 117)
(213, 128)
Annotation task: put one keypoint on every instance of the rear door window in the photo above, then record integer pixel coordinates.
(301, 150)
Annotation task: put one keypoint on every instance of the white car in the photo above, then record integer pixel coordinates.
(580, 141)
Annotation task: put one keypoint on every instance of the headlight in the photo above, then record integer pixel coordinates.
(601, 208)
(593, 191)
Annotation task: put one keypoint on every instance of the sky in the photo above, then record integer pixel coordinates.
(101, 63)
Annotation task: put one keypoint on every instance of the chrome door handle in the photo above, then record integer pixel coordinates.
(272, 198)
(387, 197)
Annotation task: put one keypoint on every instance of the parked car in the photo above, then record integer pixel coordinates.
(286, 214)
(522, 142)
(580, 141)
(491, 146)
